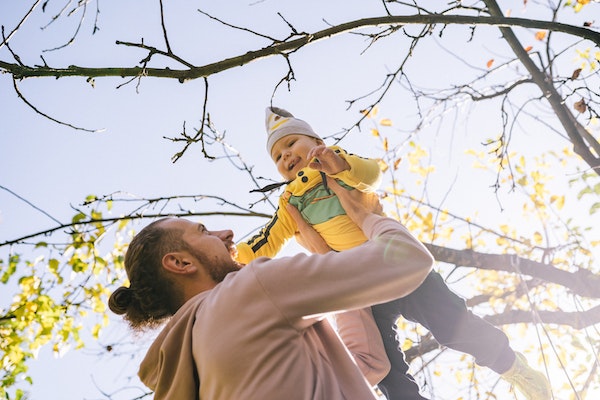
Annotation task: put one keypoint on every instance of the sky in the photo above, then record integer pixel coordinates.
(55, 167)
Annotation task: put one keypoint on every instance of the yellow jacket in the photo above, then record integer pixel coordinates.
(319, 206)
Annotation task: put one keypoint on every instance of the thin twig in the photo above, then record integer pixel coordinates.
(29, 203)
(5, 40)
(20, 95)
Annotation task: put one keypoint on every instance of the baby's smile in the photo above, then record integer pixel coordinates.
(293, 163)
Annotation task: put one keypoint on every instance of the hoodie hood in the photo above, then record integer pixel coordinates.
(168, 368)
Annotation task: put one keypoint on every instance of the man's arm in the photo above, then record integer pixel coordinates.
(390, 265)
(356, 328)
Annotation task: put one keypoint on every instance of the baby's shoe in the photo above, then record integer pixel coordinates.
(531, 383)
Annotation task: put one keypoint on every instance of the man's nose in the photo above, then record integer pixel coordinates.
(225, 235)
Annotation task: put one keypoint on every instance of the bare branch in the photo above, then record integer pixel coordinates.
(237, 27)
(164, 28)
(279, 48)
(577, 320)
(72, 39)
(582, 282)
(132, 217)
(29, 203)
(20, 95)
(27, 14)
(570, 124)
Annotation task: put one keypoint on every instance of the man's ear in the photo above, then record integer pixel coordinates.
(179, 263)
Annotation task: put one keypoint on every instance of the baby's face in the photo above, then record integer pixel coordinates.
(290, 154)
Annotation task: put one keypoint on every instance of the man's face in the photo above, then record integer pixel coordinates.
(214, 249)
(290, 154)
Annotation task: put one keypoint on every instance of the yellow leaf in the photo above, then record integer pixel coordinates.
(528, 48)
(459, 376)
(559, 201)
(501, 241)
(540, 35)
(549, 303)
(370, 113)
(537, 238)
(385, 122)
(539, 189)
(479, 165)
(385, 144)
(382, 165)
(375, 132)
(469, 243)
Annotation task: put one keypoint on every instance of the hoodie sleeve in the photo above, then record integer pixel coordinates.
(360, 334)
(390, 265)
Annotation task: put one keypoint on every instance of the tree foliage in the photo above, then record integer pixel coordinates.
(536, 274)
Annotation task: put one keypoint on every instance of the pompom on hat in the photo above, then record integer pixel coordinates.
(281, 123)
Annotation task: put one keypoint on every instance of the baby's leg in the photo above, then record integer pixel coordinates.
(453, 325)
(398, 384)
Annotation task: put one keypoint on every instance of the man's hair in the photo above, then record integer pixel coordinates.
(151, 296)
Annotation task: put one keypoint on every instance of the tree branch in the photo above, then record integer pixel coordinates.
(582, 282)
(568, 121)
(291, 45)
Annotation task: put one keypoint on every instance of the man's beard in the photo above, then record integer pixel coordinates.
(217, 269)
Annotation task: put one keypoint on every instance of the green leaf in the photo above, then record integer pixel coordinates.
(78, 217)
(91, 198)
(13, 261)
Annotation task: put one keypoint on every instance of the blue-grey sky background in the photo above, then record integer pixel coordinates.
(54, 166)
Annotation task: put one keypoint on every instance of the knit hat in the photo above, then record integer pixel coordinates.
(281, 123)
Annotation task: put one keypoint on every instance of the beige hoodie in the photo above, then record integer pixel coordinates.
(260, 334)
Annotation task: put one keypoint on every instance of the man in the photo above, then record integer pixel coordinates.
(259, 332)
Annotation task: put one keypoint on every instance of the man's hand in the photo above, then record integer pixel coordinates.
(306, 236)
(327, 160)
(358, 205)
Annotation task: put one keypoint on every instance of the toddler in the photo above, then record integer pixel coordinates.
(304, 161)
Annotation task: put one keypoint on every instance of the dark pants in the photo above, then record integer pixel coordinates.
(453, 325)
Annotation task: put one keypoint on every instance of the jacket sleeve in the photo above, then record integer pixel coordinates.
(364, 173)
(390, 265)
(360, 334)
(270, 239)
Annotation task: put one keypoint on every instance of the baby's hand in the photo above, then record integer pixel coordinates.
(324, 159)
(358, 205)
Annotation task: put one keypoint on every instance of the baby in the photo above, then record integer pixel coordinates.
(304, 161)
